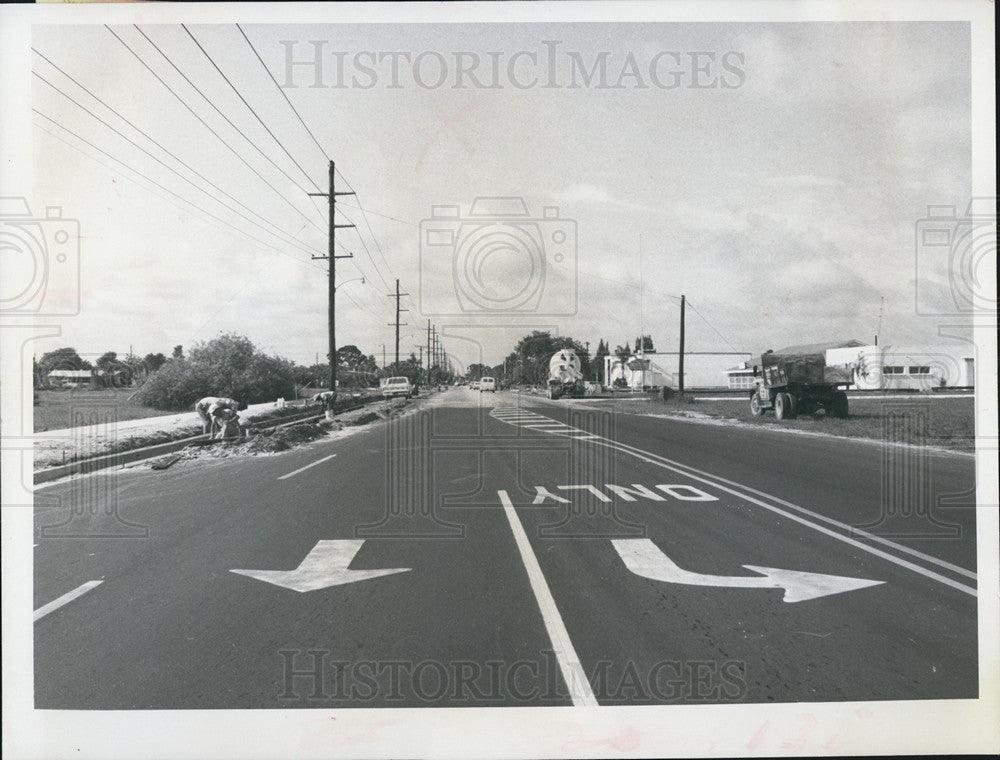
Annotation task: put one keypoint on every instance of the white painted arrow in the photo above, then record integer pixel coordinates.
(645, 558)
(326, 565)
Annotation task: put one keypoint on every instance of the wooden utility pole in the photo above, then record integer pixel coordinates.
(397, 295)
(680, 366)
(332, 285)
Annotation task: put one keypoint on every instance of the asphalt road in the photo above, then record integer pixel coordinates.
(534, 553)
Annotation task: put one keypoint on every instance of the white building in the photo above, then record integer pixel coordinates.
(907, 366)
(652, 369)
(883, 367)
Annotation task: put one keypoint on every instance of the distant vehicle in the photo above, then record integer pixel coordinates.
(397, 386)
(488, 384)
(794, 384)
(474, 385)
(565, 375)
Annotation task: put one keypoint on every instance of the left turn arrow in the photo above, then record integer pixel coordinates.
(326, 565)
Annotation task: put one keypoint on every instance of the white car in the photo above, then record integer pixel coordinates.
(487, 384)
(397, 386)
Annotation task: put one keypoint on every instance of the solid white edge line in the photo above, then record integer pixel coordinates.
(843, 526)
(569, 663)
(801, 520)
(712, 480)
(65, 599)
(302, 469)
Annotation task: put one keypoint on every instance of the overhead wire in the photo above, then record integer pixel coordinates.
(206, 124)
(164, 164)
(280, 233)
(702, 316)
(301, 121)
(249, 107)
(326, 156)
(181, 198)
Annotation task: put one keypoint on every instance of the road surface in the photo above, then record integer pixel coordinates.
(500, 550)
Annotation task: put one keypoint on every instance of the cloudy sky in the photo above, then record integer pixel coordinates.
(771, 172)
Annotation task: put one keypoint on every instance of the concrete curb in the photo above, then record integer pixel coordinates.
(121, 458)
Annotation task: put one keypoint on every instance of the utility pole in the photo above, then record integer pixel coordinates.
(397, 295)
(680, 367)
(332, 285)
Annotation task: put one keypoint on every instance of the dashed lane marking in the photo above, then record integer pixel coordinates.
(65, 599)
(303, 469)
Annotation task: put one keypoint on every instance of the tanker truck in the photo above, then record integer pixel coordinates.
(565, 376)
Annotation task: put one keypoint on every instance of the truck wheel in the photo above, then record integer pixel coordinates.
(784, 407)
(755, 408)
(839, 405)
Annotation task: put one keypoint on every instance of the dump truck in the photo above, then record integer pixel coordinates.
(794, 384)
(565, 375)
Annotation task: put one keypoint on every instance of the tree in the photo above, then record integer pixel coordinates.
(153, 362)
(107, 361)
(62, 358)
(229, 365)
(529, 362)
(602, 351)
(178, 352)
(624, 353)
(644, 343)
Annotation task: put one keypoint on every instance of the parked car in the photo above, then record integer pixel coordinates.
(397, 386)
(487, 384)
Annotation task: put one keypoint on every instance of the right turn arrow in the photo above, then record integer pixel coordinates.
(645, 558)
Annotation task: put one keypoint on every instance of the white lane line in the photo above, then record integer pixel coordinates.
(302, 469)
(65, 599)
(570, 665)
(648, 457)
(815, 515)
(717, 482)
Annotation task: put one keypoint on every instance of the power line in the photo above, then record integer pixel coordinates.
(187, 166)
(206, 124)
(691, 306)
(169, 168)
(284, 95)
(251, 109)
(181, 198)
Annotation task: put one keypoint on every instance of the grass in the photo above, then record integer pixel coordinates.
(919, 419)
(57, 410)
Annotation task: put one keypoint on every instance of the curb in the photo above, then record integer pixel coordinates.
(121, 458)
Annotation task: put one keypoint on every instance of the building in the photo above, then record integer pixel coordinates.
(892, 367)
(73, 378)
(651, 369)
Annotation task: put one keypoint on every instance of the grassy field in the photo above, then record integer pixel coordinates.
(917, 419)
(57, 410)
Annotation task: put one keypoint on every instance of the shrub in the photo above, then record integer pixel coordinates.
(226, 366)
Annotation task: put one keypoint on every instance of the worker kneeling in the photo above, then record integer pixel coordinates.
(218, 415)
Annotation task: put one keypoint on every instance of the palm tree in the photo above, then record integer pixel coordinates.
(623, 353)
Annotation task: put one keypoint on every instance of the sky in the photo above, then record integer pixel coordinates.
(775, 174)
